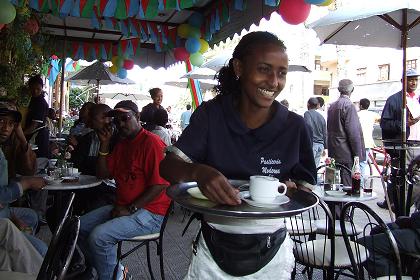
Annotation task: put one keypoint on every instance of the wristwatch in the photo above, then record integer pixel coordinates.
(132, 208)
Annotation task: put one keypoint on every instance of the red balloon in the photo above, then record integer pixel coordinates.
(181, 54)
(294, 11)
(31, 26)
(128, 64)
(1, 26)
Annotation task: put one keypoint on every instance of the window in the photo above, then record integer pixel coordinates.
(361, 75)
(412, 64)
(318, 64)
(383, 72)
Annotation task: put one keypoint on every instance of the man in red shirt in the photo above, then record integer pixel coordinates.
(141, 199)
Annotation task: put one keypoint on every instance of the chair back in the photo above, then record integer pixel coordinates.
(165, 221)
(375, 235)
(60, 252)
(65, 212)
(311, 250)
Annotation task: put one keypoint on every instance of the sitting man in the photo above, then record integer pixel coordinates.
(141, 199)
(20, 158)
(16, 252)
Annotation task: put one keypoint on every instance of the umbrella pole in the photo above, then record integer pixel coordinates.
(97, 91)
(403, 154)
(63, 62)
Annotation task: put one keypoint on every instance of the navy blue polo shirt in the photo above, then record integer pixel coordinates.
(216, 136)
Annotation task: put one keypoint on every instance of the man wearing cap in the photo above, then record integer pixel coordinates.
(141, 199)
(12, 140)
(391, 121)
(345, 138)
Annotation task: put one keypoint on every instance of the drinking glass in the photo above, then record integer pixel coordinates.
(368, 185)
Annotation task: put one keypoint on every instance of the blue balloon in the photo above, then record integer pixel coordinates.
(196, 20)
(192, 45)
(122, 73)
(314, 2)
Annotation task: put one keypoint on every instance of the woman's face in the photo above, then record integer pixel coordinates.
(35, 89)
(262, 74)
(157, 98)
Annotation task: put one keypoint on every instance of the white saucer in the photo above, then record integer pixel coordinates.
(336, 193)
(196, 193)
(279, 200)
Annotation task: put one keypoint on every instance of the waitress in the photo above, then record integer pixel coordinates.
(243, 131)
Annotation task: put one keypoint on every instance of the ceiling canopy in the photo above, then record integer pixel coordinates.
(145, 30)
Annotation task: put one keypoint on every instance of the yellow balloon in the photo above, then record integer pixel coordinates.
(183, 30)
(204, 46)
(113, 69)
(326, 3)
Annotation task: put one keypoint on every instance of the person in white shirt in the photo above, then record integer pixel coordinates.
(367, 120)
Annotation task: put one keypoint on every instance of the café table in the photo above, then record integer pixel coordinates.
(300, 201)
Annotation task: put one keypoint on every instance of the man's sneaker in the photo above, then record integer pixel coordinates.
(382, 204)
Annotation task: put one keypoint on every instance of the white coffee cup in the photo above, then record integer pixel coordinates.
(265, 189)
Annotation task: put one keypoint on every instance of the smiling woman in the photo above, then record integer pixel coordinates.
(242, 132)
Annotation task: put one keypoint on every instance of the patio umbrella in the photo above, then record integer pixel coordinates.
(183, 83)
(97, 73)
(127, 96)
(380, 23)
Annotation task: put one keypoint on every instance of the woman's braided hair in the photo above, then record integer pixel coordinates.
(228, 83)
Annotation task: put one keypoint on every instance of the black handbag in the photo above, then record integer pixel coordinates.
(242, 254)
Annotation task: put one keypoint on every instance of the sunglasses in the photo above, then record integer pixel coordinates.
(122, 118)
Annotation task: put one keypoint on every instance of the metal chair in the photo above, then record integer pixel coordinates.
(323, 252)
(60, 251)
(371, 267)
(145, 240)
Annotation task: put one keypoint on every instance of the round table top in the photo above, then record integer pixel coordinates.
(300, 201)
(12, 275)
(85, 182)
(319, 191)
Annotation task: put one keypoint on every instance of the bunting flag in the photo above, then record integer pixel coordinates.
(53, 71)
(194, 86)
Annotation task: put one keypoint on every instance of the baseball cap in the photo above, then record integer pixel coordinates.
(124, 106)
(7, 108)
(412, 73)
(345, 85)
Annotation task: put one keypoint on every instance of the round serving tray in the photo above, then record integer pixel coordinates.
(300, 201)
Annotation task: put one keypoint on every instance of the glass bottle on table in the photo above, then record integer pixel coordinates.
(356, 176)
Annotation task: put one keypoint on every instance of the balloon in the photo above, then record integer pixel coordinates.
(2, 25)
(183, 30)
(128, 64)
(314, 2)
(326, 3)
(31, 26)
(204, 46)
(181, 54)
(192, 45)
(122, 73)
(196, 59)
(113, 69)
(196, 19)
(294, 11)
(7, 12)
(194, 32)
(117, 61)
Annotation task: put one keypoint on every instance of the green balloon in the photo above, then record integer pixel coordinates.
(196, 59)
(7, 12)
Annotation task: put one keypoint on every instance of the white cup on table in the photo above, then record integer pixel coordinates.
(265, 189)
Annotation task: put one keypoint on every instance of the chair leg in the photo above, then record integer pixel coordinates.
(160, 253)
(149, 265)
(118, 260)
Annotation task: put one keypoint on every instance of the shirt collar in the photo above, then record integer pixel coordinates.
(266, 131)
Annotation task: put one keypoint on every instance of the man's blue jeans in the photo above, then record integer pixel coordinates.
(317, 149)
(99, 235)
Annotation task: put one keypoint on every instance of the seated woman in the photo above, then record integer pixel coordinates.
(243, 131)
(160, 119)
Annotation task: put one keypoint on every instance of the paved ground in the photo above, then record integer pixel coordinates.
(177, 249)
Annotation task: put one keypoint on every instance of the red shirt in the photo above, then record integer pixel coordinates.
(134, 164)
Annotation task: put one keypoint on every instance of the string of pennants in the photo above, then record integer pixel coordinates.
(128, 15)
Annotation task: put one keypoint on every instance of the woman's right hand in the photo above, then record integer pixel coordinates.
(215, 186)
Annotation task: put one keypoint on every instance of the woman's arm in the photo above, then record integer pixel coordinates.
(211, 182)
